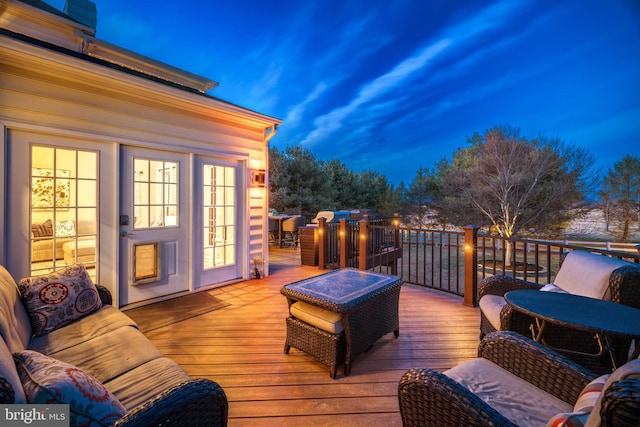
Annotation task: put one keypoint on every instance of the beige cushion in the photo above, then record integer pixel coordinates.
(587, 274)
(491, 305)
(111, 354)
(319, 317)
(99, 323)
(514, 398)
(140, 384)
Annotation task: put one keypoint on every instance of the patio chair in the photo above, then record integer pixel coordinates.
(290, 229)
(273, 231)
(515, 381)
(581, 273)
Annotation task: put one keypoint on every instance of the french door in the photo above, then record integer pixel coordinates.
(56, 185)
(153, 224)
(217, 235)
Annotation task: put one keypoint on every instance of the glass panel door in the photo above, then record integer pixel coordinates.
(154, 224)
(218, 238)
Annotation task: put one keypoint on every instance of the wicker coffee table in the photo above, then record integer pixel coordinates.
(369, 305)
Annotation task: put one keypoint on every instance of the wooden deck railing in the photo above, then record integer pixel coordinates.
(450, 261)
(363, 244)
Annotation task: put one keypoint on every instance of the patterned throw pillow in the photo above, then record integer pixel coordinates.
(65, 229)
(42, 230)
(583, 406)
(59, 298)
(49, 381)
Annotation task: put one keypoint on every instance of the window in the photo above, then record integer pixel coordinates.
(155, 192)
(64, 208)
(219, 191)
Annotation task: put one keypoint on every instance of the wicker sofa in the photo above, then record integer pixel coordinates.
(518, 382)
(96, 355)
(581, 273)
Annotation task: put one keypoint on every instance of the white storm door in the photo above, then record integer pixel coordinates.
(218, 237)
(154, 224)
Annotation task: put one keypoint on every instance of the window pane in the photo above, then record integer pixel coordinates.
(171, 194)
(87, 165)
(66, 163)
(86, 193)
(141, 216)
(42, 157)
(155, 194)
(157, 171)
(156, 216)
(141, 193)
(141, 170)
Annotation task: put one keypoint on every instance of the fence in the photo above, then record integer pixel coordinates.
(449, 261)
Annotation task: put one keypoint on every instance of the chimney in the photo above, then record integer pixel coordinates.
(83, 11)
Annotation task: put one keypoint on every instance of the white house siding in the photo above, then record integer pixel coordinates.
(53, 93)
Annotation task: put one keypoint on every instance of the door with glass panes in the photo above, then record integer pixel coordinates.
(217, 235)
(55, 187)
(153, 224)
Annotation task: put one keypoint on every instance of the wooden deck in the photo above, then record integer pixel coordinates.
(241, 347)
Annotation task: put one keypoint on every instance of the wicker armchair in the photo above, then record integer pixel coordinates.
(430, 398)
(623, 287)
(290, 229)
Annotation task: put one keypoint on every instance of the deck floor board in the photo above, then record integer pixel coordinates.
(241, 347)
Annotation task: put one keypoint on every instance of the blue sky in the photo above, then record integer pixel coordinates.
(392, 86)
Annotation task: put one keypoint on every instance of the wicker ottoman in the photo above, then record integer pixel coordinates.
(84, 249)
(325, 347)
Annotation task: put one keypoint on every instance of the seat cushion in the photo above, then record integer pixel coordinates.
(140, 384)
(111, 354)
(491, 305)
(587, 274)
(321, 318)
(513, 397)
(101, 322)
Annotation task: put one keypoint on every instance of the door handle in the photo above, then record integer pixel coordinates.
(125, 233)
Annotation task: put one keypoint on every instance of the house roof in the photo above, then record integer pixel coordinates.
(85, 46)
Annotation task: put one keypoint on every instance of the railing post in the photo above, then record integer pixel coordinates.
(470, 265)
(396, 241)
(322, 242)
(344, 255)
(396, 230)
(363, 252)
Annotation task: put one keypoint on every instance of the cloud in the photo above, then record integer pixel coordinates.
(454, 38)
(295, 114)
(327, 124)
